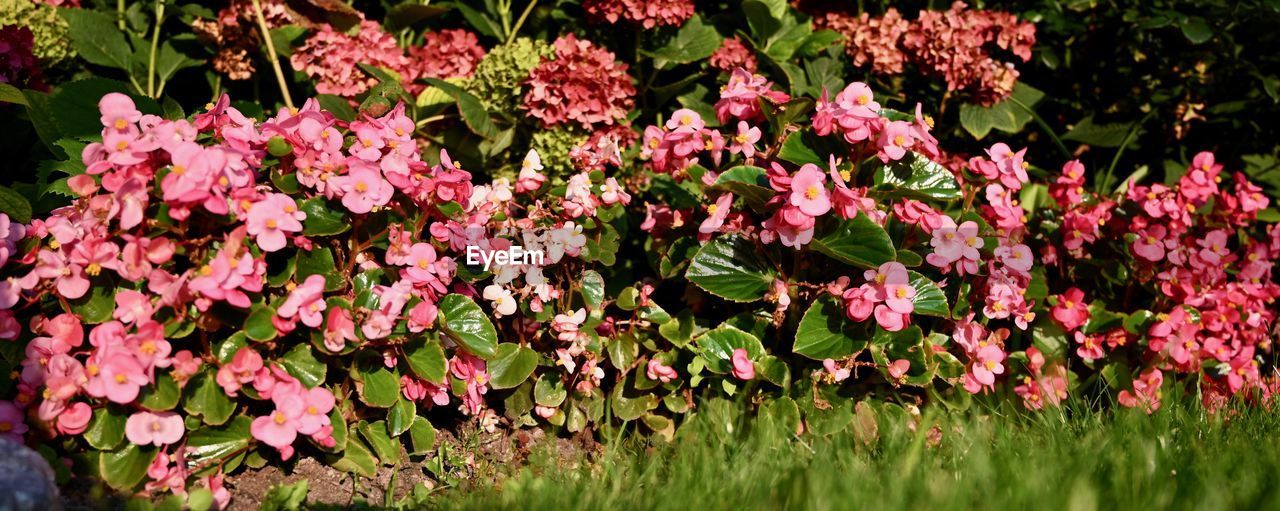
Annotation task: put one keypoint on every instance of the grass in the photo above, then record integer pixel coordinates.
(1176, 459)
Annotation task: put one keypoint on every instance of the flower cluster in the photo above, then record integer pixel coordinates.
(648, 13)
(52, 42)
(18, 66)
(331, 58)
(958, 45)
(234, 35)
(581, 84)
(732, 55)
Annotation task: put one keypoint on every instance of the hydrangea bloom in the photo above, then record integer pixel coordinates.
(649, 13)
(330, 57)
(582, 84)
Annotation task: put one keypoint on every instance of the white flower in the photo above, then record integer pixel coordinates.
(503, 303)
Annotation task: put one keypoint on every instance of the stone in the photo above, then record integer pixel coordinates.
(26, 480)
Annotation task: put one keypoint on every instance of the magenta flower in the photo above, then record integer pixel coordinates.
(809, 191)
(160, 429)
(306, 302)
(716, 214)
(743, 369)
(1071, 312)
(657, 371)
(75, 419)
(12, 422)
(745, 141)
(272, 219)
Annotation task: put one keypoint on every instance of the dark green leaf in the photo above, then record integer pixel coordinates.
(464, 322)
(826, 332)
(732, 268)
(859, 242)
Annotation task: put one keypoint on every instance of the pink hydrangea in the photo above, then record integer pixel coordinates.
(449, 53)
(731, 55)
(329, 56)
(582, 85)
(870, 40)
(649, 13)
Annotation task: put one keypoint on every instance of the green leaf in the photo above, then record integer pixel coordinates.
(285, 497)
(259, 325)
(426, 359)
(1006, 116)
(96, 305)
(804, 147)
(750, 183)
(123, 469)
(693, 42)
(732, 268)
(929, 300)
(380, 387)
(207, 446)
(858, 242)
(375, 433)
(592, 289)
(422, 436)
(1197, 30)
(323, 220)
(401, 417)
(106, 428)
(464, 322)
(473, 112)
(169, 61)
(717, 345)
(301, 363)
(1099, 135)
(357, 459)
(917, 177)
(339, 107)
(907, 344)
(826, 332)
(11, 94)
(95, 36)
(319, 261)
(511, 365)
(75, 106)
(15, 205)
(162, 395)
(549, 391)
(205, 398)
(403, 15)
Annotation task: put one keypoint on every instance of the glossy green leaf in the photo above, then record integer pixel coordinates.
(858, 242)
(826, 332)
(732, 268)
(464, 322)
(511, 365)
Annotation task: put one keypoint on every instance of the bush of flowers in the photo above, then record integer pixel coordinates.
(721, 210)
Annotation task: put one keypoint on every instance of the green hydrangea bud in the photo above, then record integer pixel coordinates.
(553, 145)
(52, 42)
(498, 78)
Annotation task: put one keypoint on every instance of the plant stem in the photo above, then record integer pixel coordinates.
(120, 15)
(155, 44)
(511, 36)
(1044, 126)
(1115, 160)
(271, 53)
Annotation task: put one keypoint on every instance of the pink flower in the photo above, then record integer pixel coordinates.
(272, 219)
(75, 419)
(118, 111)
(132, 307)
(339, 329)
(1071, 312)
(895, 140)
(243, 368)
(743, 369)
(836, 373)
(120, 377)
(582, 84)
(657, 371)
(898, 368)
(306, 301)
(1090, 346)
(160, 429)
(1146, 391)
(1151, 243)
(318, 402)
(716, 214)
(731, 55)
(649, 13)
(809, 191)
(859, 303)
(280, 428)
(12, 422)
(745, 141)
(363, 189)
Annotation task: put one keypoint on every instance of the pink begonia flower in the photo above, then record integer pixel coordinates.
(1071, 312)
(185, 365)
(685, 119)
(12, 422)
(160, 429)
(118, 111)
(530, 178)
(745, 141)
(743, 369)
(415, 389)
(75, 419)
(272, 219)
(859, 303)
(363, 189)
(1017, 258)
(70, 277)
(898, 368)
(119, 378)
(895, 140)
(809, 191)
(657, 371)
(280, 428)
(318, 403)
(987, 363)
(612, 193)
(1146, 391)
(471, 371)
(339, 329)
(244, 366)
(306, 302)
(566, 325)
(132, 307)
(716, 214)
(1090, 346)
(836, 373)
